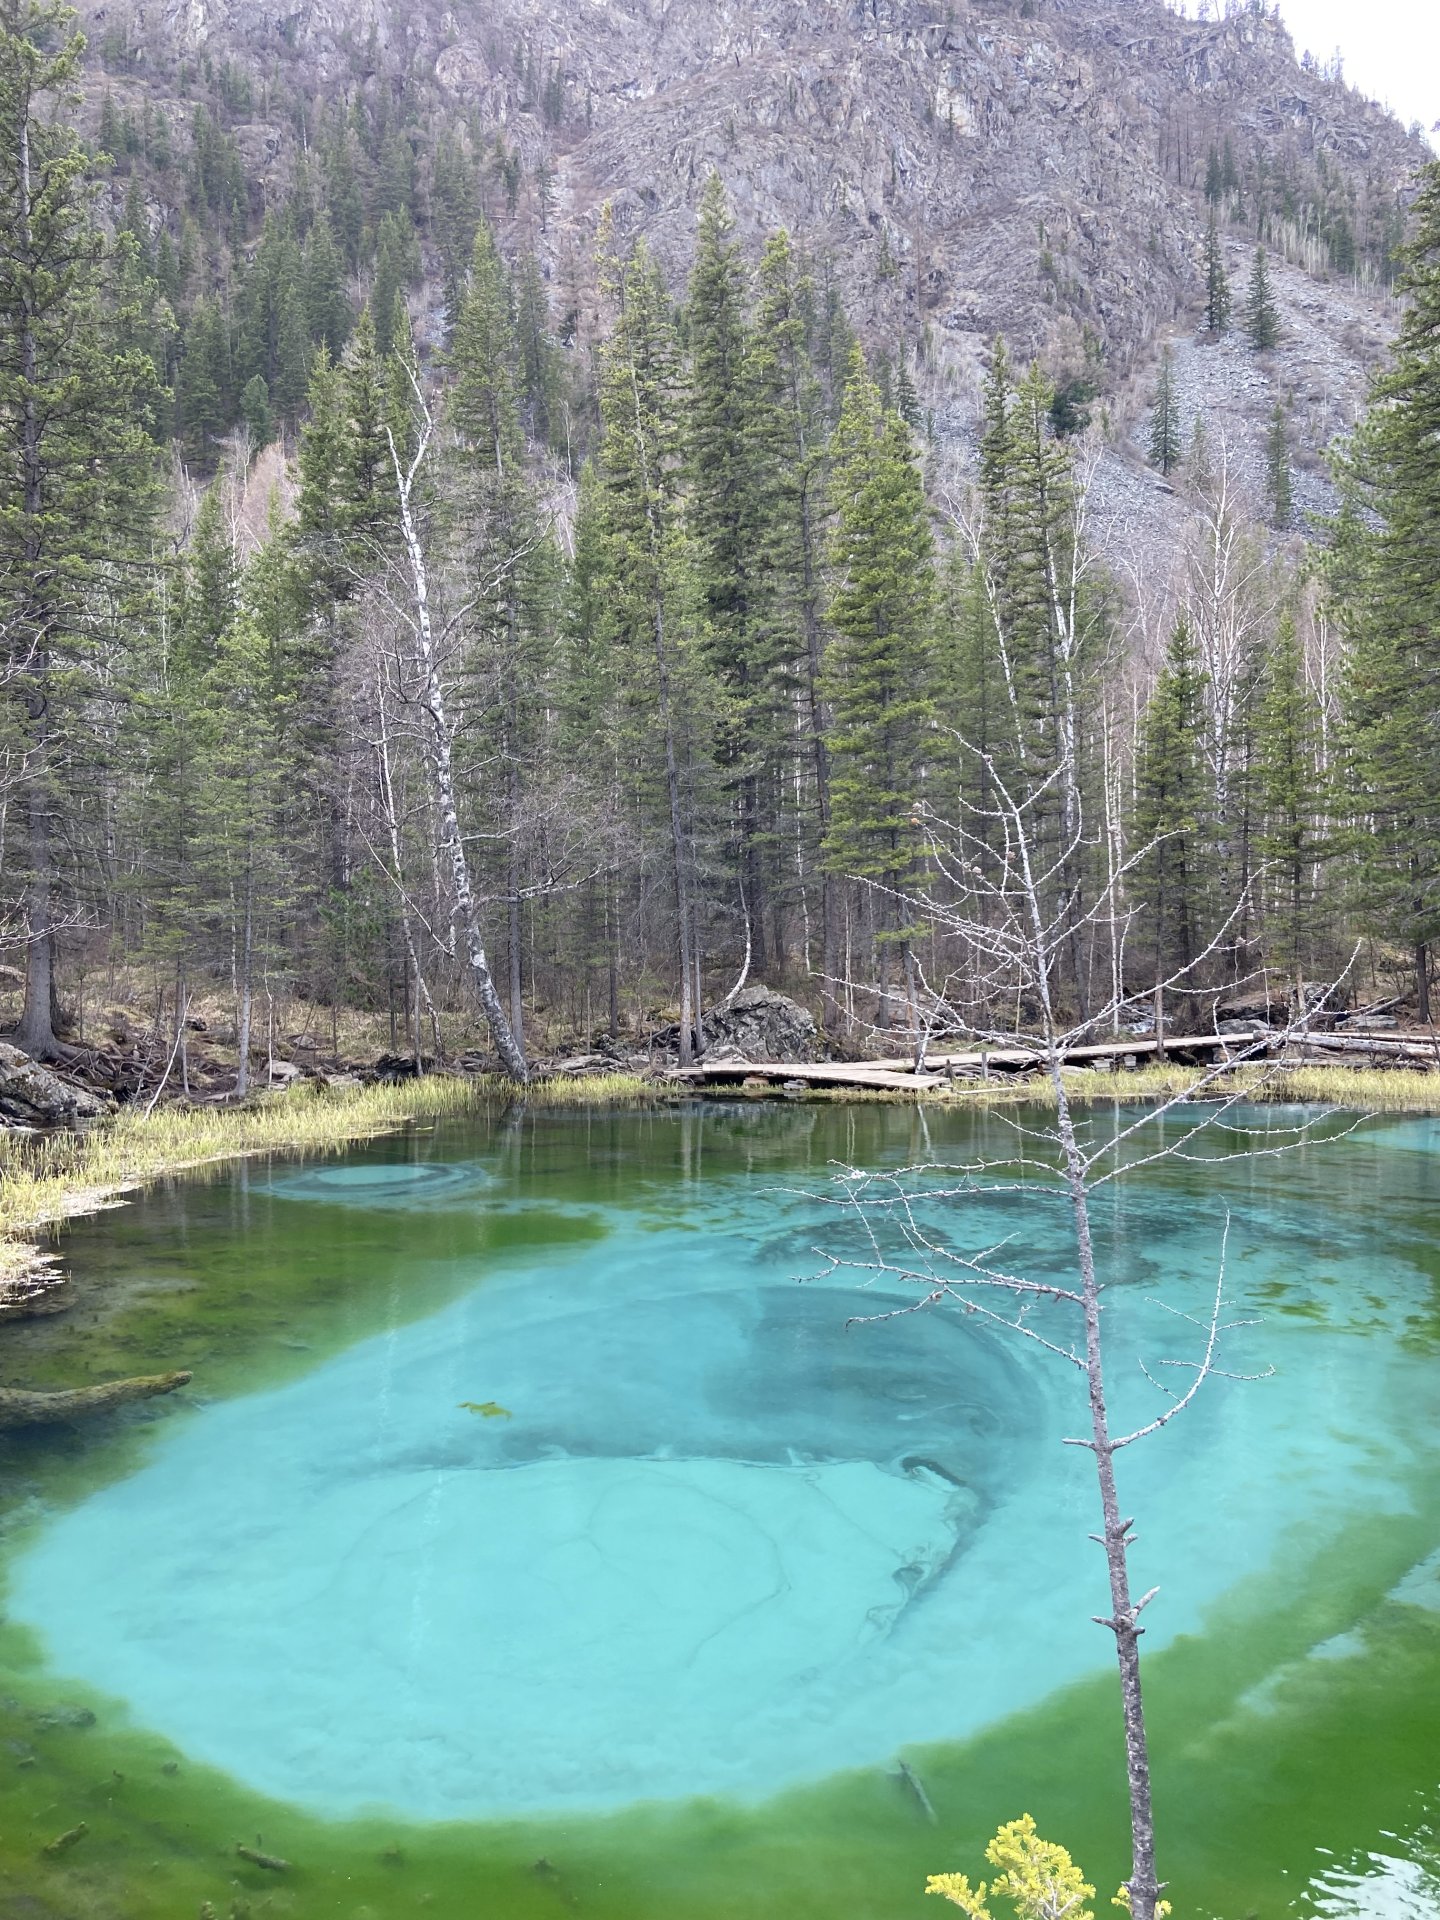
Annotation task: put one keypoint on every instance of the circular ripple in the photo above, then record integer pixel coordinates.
(406, 1185)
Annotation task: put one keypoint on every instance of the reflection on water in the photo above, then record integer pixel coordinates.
(587, 1522)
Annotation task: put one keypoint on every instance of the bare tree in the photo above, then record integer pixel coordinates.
(1015, 918)
(428, 692)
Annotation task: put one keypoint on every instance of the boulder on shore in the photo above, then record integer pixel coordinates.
(34, 1096)
(757, 1024)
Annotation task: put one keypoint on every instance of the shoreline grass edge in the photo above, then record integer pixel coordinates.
(47, 1180)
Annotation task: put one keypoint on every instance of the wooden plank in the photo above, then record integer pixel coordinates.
(898, 1076)
(1074, 1056)
(827, 1074)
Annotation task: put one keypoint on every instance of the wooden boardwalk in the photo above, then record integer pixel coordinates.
(941, 1069)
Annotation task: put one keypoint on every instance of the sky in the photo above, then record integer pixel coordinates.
(1391, 49)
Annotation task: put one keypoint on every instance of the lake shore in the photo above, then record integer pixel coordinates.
(47, 1180)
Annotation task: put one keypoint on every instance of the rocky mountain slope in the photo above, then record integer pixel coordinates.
(1031, 167)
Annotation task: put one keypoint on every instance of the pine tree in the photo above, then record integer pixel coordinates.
(542, 377)
(292, 356)
(202, 386)
(1279, 476)
(1047, 627)
(327, 311)
(647, 571)
(907, 400)
(483, 403)
(1262, 316)
(789, 437)
(1294, 838)
(77, 472)
(1173, 829)
(879, 670)
(1387, 589)
(255, 410)
(499, 526)
(1214, 180)
(1166, 432)
(397, 266)
(1217, 284)
(724, 520)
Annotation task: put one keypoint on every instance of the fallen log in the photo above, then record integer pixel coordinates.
(63, 1842)
(271, 1862)
(19, 1408)
(1374, 1047)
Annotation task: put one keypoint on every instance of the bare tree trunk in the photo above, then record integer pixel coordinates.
(392, 823)
(247, 990)
(1123, 1620)
(1422, 982)
(452, 844)
(35, 1034)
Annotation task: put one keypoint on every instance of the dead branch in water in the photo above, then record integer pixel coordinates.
(21, 1409)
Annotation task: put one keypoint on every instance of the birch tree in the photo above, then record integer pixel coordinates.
(426, 688)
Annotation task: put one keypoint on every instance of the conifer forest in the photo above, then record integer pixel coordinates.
(392, 624)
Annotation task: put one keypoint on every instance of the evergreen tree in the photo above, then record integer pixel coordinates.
(291, 378)
(505, 550)
(724, 507)
(327, 311)
(542, 377)
(397, 266)
(1166, 434)
(76, 477)
(255, 410)
(788, 432)
(907, 400)
(879, 670)
(647, 571)
(1047, 627)
(1279, 476)
(1387, 589)
(1262, 316)
(1294, 838)
(1174, 819)
(202, 386)
(1217, 283)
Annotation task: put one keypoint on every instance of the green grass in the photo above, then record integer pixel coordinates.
(46, 1180)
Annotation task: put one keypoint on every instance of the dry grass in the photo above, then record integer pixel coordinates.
(1364, 1089)
(44, 1181)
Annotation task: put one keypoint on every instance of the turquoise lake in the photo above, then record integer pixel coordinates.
(598, 1498)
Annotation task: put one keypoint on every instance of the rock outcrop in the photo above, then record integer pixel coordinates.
(33, 1096)
(759, 1024)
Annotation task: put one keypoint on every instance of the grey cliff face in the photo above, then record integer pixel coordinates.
(1031, 167)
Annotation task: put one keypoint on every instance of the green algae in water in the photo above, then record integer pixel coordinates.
(1274, 1502)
